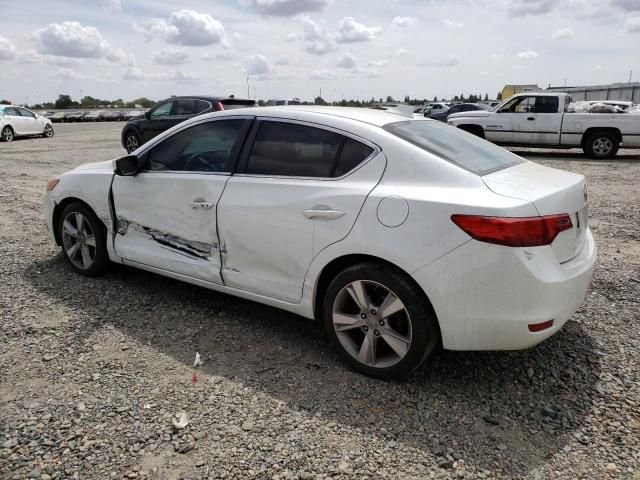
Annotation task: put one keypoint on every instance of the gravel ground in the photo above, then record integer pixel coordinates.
(94, 370)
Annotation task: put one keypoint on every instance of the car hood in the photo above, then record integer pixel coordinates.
(106, 166)
(137, 117)
(473, 113)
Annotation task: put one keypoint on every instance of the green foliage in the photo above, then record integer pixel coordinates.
(64, 101)
(5, 102)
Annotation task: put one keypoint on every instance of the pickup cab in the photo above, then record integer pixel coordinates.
(539, 119)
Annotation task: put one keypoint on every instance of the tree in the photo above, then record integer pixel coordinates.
(435, 99)
(407, 99)
(319, 101)
(456, 98)
(390, 99)
(63, 101)
(486, 97)
(140, 102)
(5, 102)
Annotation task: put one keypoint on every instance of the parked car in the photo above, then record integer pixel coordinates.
(289, 101)
(95, 116)
(133, 114)
(397, 234)
(460, 107)
(58, 117)
(540, 120)
(172, 111)
(436, 107)
(74, 116)
(22, 122)
(113, 116)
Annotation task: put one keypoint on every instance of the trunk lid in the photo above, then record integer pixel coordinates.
(552, 192)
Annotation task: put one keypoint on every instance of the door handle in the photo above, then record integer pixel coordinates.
(323, 213)
(531, 119)
(201, 204)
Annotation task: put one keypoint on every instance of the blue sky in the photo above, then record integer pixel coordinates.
(293, 48)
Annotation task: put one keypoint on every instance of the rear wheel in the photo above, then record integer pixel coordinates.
(48, 131)
(84, 239)
(601, 145)
(131, 141)
(380, 323)
(7, 134)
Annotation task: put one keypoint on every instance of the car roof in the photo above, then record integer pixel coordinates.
(213, 98)
(371, 116)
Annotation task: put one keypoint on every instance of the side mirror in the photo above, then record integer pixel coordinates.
(127, 166)
(147, 115)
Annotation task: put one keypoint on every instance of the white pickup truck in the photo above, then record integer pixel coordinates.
(539, 120)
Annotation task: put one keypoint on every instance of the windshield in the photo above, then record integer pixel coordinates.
(454, 145)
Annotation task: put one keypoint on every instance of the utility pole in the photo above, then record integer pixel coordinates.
(80, 97)
(248, 87)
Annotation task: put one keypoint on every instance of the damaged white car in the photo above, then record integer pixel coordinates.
(396, 233)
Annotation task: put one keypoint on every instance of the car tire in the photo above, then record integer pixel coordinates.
(131, 141)
(48, 131)
(84, 239)
(601, 145)
(7, 134)
(371, 340)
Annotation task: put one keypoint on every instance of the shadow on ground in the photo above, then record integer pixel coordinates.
(623, 156)
(287, 357)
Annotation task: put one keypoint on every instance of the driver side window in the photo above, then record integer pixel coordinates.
(163, 110)
(206, 147)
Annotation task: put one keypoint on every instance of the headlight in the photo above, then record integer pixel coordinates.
(51, 184)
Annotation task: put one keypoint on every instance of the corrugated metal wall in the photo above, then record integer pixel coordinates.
(620, 91)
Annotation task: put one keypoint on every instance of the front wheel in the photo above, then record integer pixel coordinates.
(7, 134)
(380, 320)
(601, 145)
(48, 131)
(131, 142)
(84, 239)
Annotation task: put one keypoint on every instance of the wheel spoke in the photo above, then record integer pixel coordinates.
(90, 240)
(80, 222)
(398, 343)
(390, 305)
(367, 353)
(86, 256)
(69, 229)
(359, 295)
(73, 250)
(344, 321)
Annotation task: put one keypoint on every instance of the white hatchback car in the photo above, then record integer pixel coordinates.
(20, 122)
(396, 233)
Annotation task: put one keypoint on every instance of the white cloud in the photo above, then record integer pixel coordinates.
(521, 8)
(562, 34)
(452, 24)
(403, 22)
(61, 61)
(346, 60)
(67, 74)
(132, 74)
(257, 65)
(112, 5)
(71, 39)
(170, 56)
(441, 61)
(318, 40)
(377, 63)
(282, 60)
(349, 30)
(528, 54)
(214, 57)
(323, 75)
(632, 25)
(120, 56)
(7, 49)
(286, 8)
(400, 52)
(177, 75)
(367, 72)
(630, 5)
(185, 27)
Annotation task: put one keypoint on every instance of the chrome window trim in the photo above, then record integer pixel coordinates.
(376, 149)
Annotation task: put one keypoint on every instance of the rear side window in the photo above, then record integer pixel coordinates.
(183, 107)
(454, 145)
(353, 154)
(285, 149)
(547, 104)
(11, 111)
(232, 104)
(202, 105)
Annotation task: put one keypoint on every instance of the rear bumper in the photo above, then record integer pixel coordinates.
(486, 296)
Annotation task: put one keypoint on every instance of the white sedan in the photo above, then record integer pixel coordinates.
(398, 234)
(22, 122)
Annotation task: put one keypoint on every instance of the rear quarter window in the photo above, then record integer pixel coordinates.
(454, 145)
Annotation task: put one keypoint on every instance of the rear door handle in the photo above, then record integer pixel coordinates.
(323, 213)
(197, 203)
(531, 119)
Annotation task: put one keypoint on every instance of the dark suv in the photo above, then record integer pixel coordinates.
(167, 113)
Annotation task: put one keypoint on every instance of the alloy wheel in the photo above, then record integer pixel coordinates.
(372, 323)
(132, 143)
(48, 131)
(602, 146)
(78, 240)
(7, 134)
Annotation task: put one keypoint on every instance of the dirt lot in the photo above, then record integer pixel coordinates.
(93, 370)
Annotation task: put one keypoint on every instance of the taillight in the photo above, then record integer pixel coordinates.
(220, 107)
(51, 184)
(514, 231)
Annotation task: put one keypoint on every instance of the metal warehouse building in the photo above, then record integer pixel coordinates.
(613, 91)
